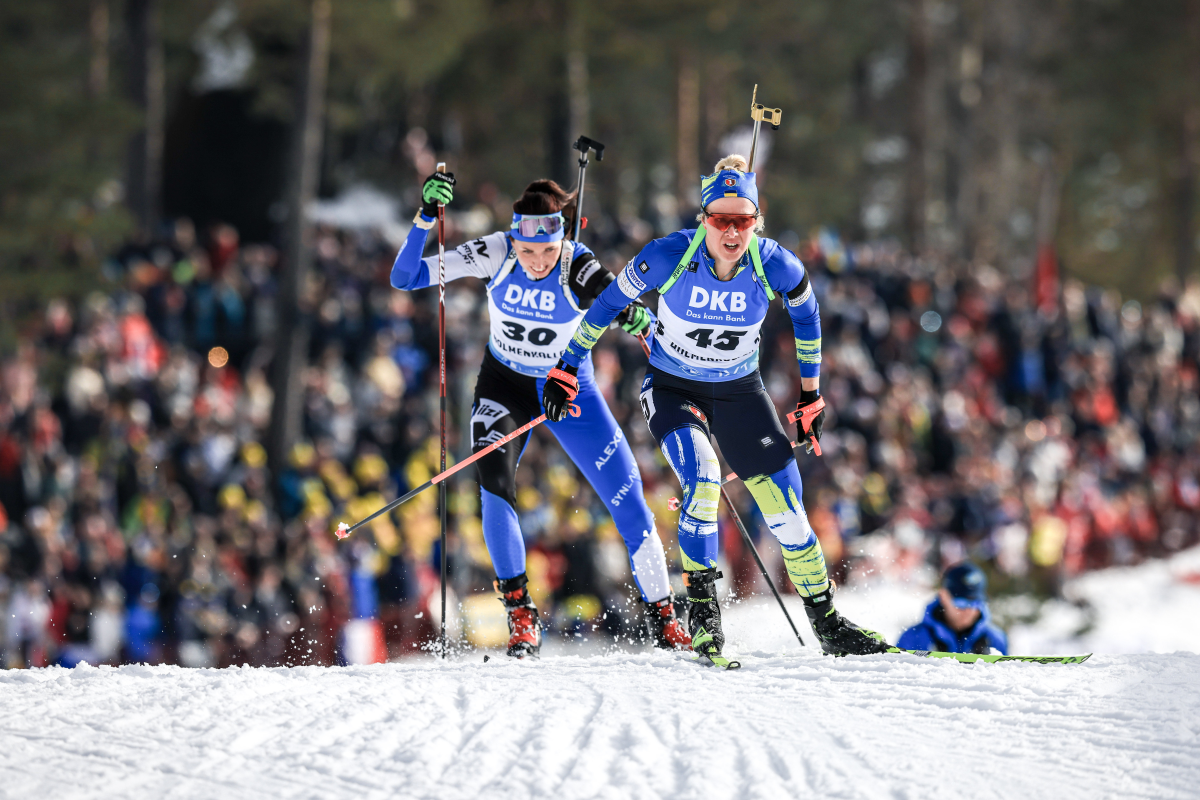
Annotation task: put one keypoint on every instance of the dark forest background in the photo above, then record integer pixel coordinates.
(974, 131)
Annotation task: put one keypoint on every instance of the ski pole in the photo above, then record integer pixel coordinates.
(641, 337)
(757, 560)
(583, 144)
(762, 569)
(812, 443)
(345, 530)
(442, 487)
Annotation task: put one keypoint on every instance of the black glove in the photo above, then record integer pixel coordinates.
(438, 188)
(810, 419)
(634, 319)
(561, 388)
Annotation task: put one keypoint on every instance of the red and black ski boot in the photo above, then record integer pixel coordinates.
(665, 629)
(524, 630)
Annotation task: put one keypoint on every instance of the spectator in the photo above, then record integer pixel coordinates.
(965, 422)
(958, 620)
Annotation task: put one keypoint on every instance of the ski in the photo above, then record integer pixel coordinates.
(970, 658)
(716, 661)
(700, 659)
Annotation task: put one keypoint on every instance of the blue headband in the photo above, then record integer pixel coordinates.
(728, 183)
(538, 227)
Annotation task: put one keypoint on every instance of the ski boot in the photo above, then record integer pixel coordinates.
(665, 630)
(704, 617)
(839, 636)
(524, 630)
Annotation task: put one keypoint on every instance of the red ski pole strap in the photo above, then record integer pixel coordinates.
(809, 412)
(566, 380)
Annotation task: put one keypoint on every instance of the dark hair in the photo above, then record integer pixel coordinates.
(545, 197)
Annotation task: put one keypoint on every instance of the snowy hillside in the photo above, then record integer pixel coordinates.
(582, 723)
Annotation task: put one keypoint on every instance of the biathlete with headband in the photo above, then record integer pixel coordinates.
(538, 286)
(715, 284)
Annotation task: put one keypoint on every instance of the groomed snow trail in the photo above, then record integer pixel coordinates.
(644, 725)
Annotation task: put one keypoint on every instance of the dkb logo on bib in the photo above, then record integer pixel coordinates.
(715, 300)
(536, 299)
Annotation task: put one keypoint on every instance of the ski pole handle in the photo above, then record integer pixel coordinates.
(809, 413)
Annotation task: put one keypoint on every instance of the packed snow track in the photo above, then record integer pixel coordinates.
(641, 725)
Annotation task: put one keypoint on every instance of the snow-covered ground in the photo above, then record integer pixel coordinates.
(581, 723)
(620, 726)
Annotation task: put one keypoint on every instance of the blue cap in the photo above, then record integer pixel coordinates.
(728, 183)
(538, 227)
(967, 584)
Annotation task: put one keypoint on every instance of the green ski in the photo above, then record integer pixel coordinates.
(717, 661)
(970, 658)
(703, 643)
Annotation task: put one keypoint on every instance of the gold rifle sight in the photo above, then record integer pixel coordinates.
(760, 113)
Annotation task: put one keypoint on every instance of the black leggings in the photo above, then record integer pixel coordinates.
(504, 401)
(739, 413)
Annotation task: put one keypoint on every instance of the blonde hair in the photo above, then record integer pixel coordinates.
(733, 161)
(738, 162)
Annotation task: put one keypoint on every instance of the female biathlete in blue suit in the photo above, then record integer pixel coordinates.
(715, 284)
(538, 286)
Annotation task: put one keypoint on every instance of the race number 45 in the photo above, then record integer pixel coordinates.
(726, 340)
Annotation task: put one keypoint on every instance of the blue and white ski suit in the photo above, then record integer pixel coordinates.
(703, 380)
(531, 322)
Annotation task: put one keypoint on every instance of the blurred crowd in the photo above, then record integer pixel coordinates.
(1043, 439)
(140, 520)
